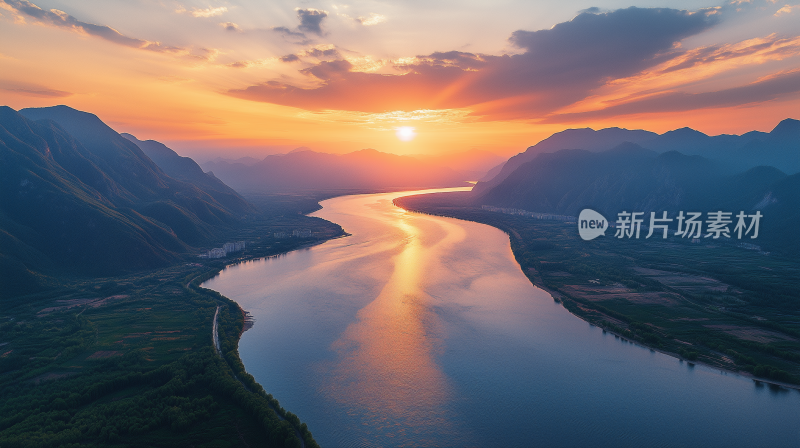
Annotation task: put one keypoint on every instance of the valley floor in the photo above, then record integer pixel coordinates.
(129, 360)
(721, 305)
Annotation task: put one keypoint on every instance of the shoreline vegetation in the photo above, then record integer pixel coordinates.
(689, 301)
(130, 360)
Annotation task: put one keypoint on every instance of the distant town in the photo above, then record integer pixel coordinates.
(535, 215)
(227, 248)
(237, 246)
(294, 234)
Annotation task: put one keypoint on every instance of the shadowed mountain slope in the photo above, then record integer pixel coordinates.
(187, 170)
(586, 139)
(99, 209)
(631, 178)
(779, 148)
(185, 207)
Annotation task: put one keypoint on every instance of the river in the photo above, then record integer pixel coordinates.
(420, 330)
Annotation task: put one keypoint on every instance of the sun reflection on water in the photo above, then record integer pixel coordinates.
(387, 357)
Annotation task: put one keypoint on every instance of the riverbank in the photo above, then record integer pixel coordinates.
(128, 359)
(702, 304)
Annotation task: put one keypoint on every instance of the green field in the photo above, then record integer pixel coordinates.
(708, 302)
(129, 360)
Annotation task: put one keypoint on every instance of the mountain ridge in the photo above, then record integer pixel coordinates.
(632, 178)
(357, 170)
(65, 207)
(187, 170)
(780, 147)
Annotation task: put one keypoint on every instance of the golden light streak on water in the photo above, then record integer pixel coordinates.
(387, 363)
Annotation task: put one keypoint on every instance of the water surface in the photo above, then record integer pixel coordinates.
(422, 331)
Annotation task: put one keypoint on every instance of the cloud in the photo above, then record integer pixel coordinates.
(286, 32)
(610, 45)
(248, 64)
(771, 47)
(290, 58)
(322, 52)
(689, 70)
(311, 20)
(373, 19)
(557, 67)
(787, 9)
(60, 19)
(209, 12)
(32, 90)
(765, 89)
(230, 26)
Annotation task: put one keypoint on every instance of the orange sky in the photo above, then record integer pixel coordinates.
(241, 78)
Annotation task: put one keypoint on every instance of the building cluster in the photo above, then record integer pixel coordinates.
(516, 211)
(294, 234)
(227, 248)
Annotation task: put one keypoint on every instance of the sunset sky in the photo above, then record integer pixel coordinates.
(249, 77)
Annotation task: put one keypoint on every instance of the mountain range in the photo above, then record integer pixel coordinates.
(77, 197)
(631, 178)
(187, 170)
(306, 170)
(733, 153)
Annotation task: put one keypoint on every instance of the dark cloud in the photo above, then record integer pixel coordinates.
(328, 53)
(590, 10)
(292, 36)
(559, 66)
(464, 61)
(287, 31)
(311, 20)
(764, 90)
(330, 71)
(610, 45)
(63, 20)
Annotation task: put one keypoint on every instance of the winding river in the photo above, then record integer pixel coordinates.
(420, 330)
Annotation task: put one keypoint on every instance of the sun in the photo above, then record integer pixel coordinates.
(405, 133)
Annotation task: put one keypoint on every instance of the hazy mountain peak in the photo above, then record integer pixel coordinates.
(788, 126)
(589, 139)
(9, 116)
(754, 135)
(154, 149)
(66, 116)
(371, 154)
(685, 132)
(7, 111)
